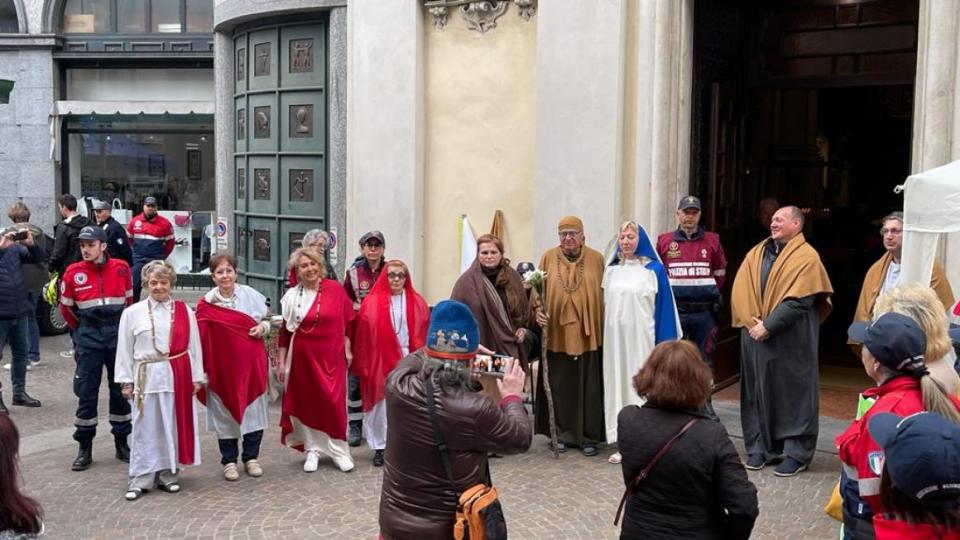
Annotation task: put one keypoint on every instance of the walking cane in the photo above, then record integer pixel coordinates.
(545, 376)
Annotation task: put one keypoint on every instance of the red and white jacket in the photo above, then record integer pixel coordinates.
(92, 298)
(152, 239)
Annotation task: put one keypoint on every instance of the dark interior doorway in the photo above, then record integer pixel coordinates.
(809, 102)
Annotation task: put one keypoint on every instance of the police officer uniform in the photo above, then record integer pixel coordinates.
(152, 240)
(118, 244)
(93, 296)
(697, 268)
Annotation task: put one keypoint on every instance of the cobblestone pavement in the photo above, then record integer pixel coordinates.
(574, 497)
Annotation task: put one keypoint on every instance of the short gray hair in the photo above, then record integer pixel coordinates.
(892, 215)
(314, 236)
(162, 269)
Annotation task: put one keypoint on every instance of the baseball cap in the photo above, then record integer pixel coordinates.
(92, 233)
(689, 202)
(100, 205)
(150, 201)
(372, 235)
(895, 340)
(921, 453)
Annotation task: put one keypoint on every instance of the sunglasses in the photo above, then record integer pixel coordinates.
(396, 275)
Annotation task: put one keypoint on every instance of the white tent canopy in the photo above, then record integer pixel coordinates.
(931, 211)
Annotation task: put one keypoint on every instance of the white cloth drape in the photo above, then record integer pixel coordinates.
(931, 200)
(629, 295)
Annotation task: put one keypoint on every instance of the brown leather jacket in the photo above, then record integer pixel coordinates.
(417, 501)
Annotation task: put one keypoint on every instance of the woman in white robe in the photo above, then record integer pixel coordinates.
(232, 327)
(146, 376)
(639, 312)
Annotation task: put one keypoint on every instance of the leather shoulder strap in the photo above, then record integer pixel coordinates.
(646, 470)
(437, 435)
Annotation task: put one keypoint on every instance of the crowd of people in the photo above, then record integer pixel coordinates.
(619, 347)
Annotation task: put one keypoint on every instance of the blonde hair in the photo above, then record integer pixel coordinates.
(311, 252)
(162, 269)
(19, 212)
(629, 225)
(921, 304)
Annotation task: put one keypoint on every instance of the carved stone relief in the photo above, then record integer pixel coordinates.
(241, 183)
(241, 124)
(296, 241)
(261, 65)
(261, 245)
(261, 189)
(301, 55)
(261, 122)
(301, 185)
(301, 121)
(241, 64)
(480, 15)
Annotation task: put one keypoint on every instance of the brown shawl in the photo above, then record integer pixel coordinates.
(796, 273)
(873, 282)
(497, 331)
(574, 301)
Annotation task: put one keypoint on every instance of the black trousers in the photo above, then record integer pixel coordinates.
(354, 402)
(251, 447)
(86, 386)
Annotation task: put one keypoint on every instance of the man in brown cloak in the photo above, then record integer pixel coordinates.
(780, 296)
(574, 324)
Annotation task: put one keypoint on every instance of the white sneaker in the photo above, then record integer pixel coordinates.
(313, 459)
(345, 463)
(29, 366)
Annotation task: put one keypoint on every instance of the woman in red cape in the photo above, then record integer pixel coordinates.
(232, 327)
(392, 323)
(313, 351)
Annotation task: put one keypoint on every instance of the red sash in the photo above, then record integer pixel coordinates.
(182, 383)
(235, 363)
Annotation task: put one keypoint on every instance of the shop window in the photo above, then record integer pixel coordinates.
(8, 17)
(121, 159)
(136, 16)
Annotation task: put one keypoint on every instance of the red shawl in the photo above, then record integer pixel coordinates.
(236, 363)
(182, 383)
(376, 349)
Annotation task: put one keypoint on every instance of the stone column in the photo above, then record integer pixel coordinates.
(224, 165)
(577, 167)
(385, 127)
(663, 78)
(936, 112)
(337, 128)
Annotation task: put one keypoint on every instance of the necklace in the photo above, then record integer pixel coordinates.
(316, 314)
(399, 320)
(223, 300)
(153, 331)
(577, 279)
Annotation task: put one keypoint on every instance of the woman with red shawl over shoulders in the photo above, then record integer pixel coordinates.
(392, 323)
(494, 292)
(232, 327)
(313, 355)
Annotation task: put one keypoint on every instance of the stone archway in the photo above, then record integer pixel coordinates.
(19, 13)
(52, 16)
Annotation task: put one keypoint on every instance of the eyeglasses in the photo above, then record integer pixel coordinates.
(568, 234)
(895, 232)
(396, 275)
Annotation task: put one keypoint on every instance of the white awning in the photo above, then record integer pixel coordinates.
(66, 108)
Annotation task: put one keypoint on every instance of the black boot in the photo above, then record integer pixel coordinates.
(21, 399)
(353, 437)
(3, 408)
(123, 450)
(84, 457)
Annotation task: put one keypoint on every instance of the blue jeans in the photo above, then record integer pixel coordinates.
(15, 331)
(33, 329)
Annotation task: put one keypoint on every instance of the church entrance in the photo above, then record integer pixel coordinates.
(810, 103)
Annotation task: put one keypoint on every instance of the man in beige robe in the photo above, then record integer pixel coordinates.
(574, 324)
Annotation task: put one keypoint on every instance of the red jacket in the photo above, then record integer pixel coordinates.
(861, 456)
(92, 297)
(697, 266)
(888, 529)
(152, 239)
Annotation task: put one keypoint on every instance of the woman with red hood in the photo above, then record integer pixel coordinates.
(392, 323)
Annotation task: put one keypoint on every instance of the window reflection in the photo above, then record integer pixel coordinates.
(130, 16)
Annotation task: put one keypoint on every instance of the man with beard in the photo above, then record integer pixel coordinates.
(152, 237)
(780, 296)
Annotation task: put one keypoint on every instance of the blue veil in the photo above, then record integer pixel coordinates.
(666, 318)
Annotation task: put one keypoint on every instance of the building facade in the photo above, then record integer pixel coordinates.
(271, 118)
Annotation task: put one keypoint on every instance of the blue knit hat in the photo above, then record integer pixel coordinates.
(453, 332)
